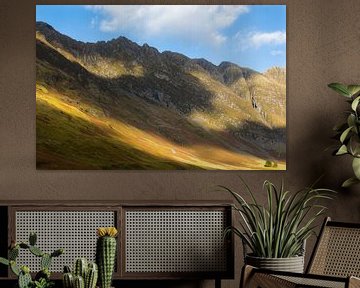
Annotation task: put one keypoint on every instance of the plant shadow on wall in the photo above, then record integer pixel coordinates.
(140, 117)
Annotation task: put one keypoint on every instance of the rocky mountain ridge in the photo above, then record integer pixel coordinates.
(132, 54)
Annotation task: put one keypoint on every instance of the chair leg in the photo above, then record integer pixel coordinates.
(246, 274)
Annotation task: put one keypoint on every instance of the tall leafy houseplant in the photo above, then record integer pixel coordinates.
(280, 228)
(349, 131)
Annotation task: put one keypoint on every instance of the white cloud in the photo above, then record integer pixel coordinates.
(258, 39)
(189, 22)
(276, 52)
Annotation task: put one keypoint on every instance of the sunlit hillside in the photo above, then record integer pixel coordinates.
(117, 105)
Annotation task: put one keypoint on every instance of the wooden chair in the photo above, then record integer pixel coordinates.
(335, 262)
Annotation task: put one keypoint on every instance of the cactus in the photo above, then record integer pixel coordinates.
(43, 274)
(36, 251)
(13, 253)
(68, 280)
(106, 254)
(90, 272)
(79, 282)
(45, 261)
(32, 238)
(80, 268)
(24, 246)
(14, 268)
(57, 253)
(67, 269)
(42, 278)
(24, 280)
(91, 276)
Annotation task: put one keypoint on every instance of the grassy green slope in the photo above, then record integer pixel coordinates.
(66, 141)
(70, 136)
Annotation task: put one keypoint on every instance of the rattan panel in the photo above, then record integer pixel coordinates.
(312, 282)
(75, 231)
(338, 253)
(175, 241)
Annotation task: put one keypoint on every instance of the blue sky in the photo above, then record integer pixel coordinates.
(251, 36)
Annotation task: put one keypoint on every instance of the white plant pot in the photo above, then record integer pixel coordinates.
(291, 264)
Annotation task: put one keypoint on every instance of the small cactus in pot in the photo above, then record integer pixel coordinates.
(68, 278)
(91, 276)
(85, 275)
(106, 254)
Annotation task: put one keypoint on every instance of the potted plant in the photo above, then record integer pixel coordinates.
(84, 274)
(42, 278)
(348, 132)
(276, 233)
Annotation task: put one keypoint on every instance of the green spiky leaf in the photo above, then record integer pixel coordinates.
(279, 228)
(340, 88)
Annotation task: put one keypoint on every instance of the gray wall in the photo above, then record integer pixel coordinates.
(323, 46)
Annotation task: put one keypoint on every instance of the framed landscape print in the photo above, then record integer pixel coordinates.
(159, 87)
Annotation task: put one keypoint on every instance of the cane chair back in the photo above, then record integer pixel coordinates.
(337, 252)
(335, 262)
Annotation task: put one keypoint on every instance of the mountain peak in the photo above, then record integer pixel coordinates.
(226, 64)
(41, 24)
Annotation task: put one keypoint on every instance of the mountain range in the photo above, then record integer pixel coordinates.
(119, 105)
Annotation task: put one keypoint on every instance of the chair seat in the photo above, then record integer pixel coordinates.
(315, 282)
(263, 278)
